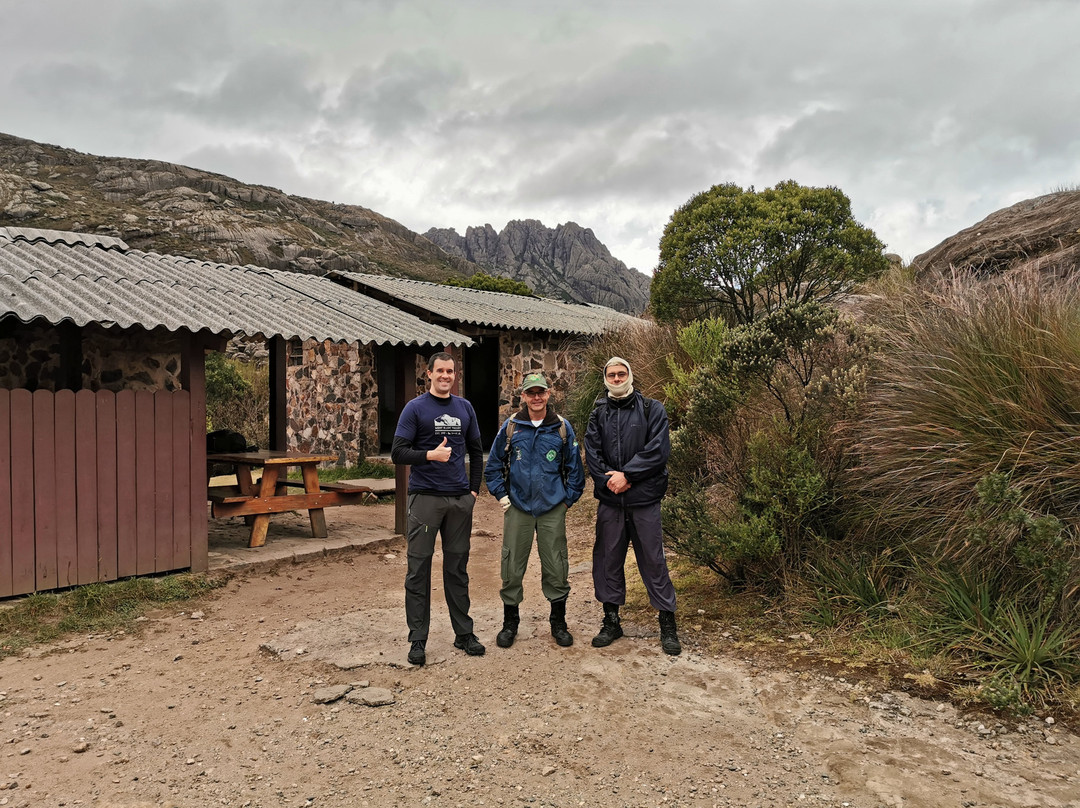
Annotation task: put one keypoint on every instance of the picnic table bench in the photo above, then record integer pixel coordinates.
(270, 495)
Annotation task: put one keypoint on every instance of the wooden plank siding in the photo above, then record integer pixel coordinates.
(5, 492)
(97, 486)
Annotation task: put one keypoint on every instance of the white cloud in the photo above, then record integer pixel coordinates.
(929, 114)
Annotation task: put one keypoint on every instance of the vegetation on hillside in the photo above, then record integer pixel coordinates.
(908, 476)
(490, 283)
(238, 398)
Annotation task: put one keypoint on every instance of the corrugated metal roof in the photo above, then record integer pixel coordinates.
(85, 278)
(495, 309)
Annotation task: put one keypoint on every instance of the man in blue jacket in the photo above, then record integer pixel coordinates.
(534, 469)
(627, 446)
(434, 433)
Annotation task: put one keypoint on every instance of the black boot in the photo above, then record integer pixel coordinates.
(611, 630)
(669, 638)
(511, 619)
(558, 623)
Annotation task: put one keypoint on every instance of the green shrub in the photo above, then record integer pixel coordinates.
(224, 382)
(701, 342)
(755, 458)
(1035, 550)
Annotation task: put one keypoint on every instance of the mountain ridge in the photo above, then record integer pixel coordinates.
(165, 207)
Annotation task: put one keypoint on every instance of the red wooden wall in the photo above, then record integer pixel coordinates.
(96, 486)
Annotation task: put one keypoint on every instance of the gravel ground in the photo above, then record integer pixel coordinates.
(290, 688)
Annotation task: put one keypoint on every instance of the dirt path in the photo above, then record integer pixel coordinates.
(217, 707)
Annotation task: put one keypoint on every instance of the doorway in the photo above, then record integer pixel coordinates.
(482, 374)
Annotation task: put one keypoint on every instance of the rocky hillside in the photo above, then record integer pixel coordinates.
(168, 208)
(567, 262)
(1043, 232)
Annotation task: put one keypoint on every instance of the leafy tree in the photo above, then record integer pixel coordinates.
(490, 283)
(738, 254)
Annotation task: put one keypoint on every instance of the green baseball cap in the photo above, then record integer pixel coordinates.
(534, 380)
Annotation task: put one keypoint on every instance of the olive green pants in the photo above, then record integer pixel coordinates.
(550, 531)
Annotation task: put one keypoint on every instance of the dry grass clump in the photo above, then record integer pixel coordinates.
(980, 377)
(646, 347)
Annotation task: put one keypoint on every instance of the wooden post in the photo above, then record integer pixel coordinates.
(279, 439)
(404, 391)
(193, 379)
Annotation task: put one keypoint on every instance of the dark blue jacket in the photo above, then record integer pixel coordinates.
(537, 459)
(628, 436)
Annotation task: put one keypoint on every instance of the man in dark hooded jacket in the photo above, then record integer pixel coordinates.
(626, 447)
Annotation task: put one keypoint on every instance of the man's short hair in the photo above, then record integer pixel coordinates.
(441, 356)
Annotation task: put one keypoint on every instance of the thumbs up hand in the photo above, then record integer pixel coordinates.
(441, 453)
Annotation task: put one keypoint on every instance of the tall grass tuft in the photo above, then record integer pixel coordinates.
(1027, 648)
(650, 349)
(981, 377)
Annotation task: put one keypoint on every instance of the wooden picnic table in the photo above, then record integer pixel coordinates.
(257, 501)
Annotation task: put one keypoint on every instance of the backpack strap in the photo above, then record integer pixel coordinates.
(506, 453)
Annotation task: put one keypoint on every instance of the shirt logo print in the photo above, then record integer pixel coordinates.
(447, 424)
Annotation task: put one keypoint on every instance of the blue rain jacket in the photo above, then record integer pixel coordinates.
(544, 472)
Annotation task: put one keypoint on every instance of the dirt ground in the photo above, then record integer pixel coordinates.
(217, 705)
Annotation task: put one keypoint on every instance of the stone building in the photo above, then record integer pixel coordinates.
(511, 336)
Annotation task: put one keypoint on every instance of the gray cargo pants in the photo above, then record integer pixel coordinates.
(452, 518)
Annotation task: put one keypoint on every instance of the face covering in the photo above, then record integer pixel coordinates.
(623, 389)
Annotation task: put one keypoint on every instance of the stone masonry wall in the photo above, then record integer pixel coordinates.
(136, 360)
(525, 352)
(111, 360)
(30, 358)
(332, 401)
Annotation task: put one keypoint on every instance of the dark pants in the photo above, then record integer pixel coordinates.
(616, 529)
(451, 517)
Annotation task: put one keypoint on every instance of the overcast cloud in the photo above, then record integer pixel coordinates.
(928, 114)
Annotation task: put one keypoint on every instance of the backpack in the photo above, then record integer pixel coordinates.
(562, 457)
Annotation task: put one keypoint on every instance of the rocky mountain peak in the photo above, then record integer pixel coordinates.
(567, 261)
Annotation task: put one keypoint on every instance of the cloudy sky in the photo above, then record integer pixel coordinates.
(928, 114)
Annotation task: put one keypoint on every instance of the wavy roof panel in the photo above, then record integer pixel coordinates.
(83, 278)
(494, 309)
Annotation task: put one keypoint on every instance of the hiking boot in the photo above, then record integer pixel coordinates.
(416, 653)
(558, 623)
(511, 618)
(611, 630)
(469, 644)
(669, 638)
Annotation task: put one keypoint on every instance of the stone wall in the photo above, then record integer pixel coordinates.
(138, 360)
(30, 358)
(111, 360)
(332, 400)
(525, 352)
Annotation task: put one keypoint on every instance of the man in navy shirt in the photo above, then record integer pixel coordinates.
(433, 435)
